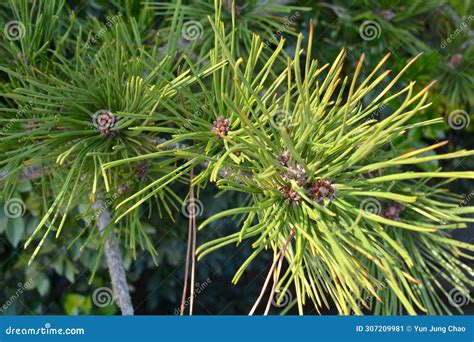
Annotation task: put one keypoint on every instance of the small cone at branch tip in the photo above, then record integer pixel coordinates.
(105, 122)
(221, 126)
(297, 173)
(290, 194)
(321, 189)
(392, 211)
(141, 171)
(456, 60)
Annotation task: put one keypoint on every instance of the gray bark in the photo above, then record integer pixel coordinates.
(115, 265)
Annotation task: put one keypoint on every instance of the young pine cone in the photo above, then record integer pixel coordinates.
(322, 189)
(221, 126)
(456, 60)
(297, 174)
(291, 195)
(105, 121)
(392, 211)
(141, 170)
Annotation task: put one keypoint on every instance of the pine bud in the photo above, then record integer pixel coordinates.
(291, 195)
(322, 189)
(141, 170)
(455, 60)
(105, 121)
(392, 211)
(221, 126)
(298, 174)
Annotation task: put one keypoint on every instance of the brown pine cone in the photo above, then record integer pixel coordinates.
(291, 195)
(322, 189)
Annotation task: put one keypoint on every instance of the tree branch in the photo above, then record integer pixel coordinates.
(118, 277)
